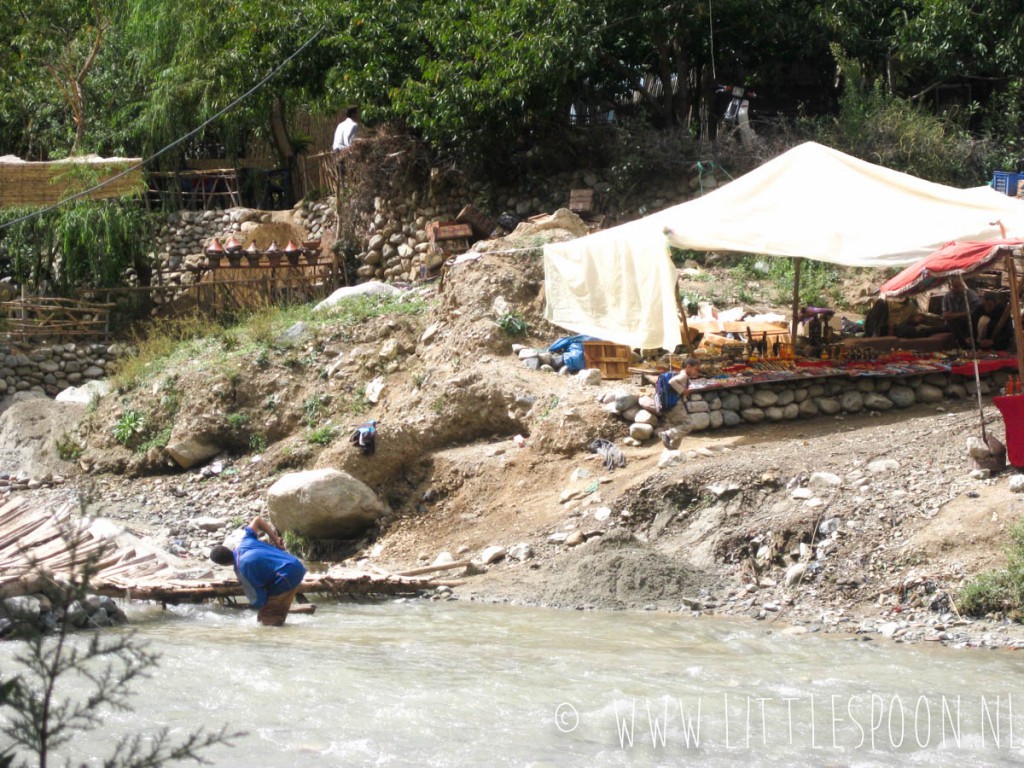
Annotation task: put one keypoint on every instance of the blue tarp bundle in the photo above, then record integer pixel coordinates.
(571, 349)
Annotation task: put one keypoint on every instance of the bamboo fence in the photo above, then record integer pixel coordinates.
(45, 183)
(33, 319)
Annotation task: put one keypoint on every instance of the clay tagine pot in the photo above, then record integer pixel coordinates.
(252, 254)
(293, 252)
(214, 252)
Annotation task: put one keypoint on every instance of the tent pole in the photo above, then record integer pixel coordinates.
(798, 261)
(681, 308)
(1011, 270)
(974, 355)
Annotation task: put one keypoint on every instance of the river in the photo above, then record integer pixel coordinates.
(418, 683)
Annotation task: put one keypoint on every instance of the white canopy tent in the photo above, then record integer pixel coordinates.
(812, 202)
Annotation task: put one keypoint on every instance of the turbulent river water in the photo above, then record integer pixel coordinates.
(416, 683)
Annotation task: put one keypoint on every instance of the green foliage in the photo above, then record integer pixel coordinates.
(161, 345)
(237, 420)
(323, 435)
(356, 403)
(129, 427)
(513, 324)
(297, 544)
(1002, 591)
(158, 439)
(314, 408)
(64, 684)
(68, 449)
(257, 442)
(88, 244)
(819, 280)
(878, 126)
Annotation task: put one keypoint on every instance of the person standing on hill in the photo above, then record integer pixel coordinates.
(347, 130)
(270, 576)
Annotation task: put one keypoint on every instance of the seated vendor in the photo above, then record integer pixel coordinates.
(960, 309)
(671, 387)
(902, 318)
(993, 328)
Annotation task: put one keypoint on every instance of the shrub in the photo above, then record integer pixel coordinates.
(999, 591)
(323, 435)
(129, 427)
(513, 324)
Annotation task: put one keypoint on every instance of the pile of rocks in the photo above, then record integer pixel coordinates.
(30, 615)
(51, 369)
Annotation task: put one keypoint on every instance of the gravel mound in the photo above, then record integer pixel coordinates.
(619, 571)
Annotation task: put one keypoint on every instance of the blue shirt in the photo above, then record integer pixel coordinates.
(264, 570)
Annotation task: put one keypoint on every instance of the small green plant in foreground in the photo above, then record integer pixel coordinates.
(67, 448)
(323, 435)
(513, 324)
(131, 424)
(999, 591)
(238, 420)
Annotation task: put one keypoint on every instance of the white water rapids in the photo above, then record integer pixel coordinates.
(417, 683)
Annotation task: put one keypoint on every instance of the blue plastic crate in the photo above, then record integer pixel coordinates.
(1007, 182)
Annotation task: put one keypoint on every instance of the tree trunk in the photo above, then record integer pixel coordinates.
(283, 143)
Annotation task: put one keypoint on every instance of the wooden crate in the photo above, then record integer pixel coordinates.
(612, 360)
(448, 230)
(482, 225)
(581, 200)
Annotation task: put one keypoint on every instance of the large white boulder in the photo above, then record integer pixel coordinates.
(323, 504)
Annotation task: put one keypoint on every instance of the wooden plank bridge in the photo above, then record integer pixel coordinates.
(40, 545)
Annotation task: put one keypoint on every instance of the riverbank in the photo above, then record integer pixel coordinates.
(866, 522)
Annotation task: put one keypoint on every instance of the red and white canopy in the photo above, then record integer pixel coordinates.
(957, 258)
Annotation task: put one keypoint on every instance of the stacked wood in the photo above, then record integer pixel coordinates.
(53, 317)
(34, 548)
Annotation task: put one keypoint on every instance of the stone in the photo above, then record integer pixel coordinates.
(589, 377)
(191, 450)
(752, 415)
(323, 504)
(492, 554)
(700, 421)
(521, 552)
(1016, 484)
(717, 419)
(883, 466)
(209, 524)
(670, 458)
(821, 480)
(927, 393)
(876, 402)
(791, 411)
(774, 413)
(730, 418)
(641, 432)
(645, 417)
(828, 405)
(697, 407)
(901, 396)
(764, 398)
(956, 391)
(794, 574)
(852, 402)
(808, 408)
(829, 526)
(85, 393)
(785, 397)
(575, 538)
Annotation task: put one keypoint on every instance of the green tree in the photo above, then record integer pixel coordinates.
(63, 38)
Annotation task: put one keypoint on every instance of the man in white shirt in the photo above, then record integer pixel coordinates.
(347, 129)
